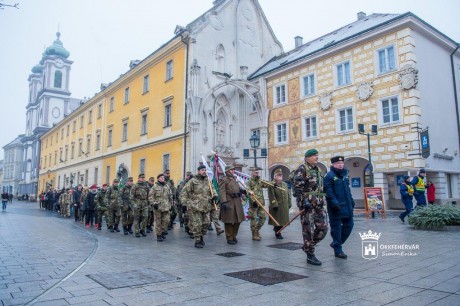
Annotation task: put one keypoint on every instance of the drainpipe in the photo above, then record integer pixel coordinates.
(455, 91)
(186, 42)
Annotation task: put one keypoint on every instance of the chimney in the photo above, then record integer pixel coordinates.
(361, 15)
(298, 41)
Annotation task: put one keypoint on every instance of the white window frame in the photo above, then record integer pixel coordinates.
(280, 96)
(167, 119)
(304, 127)
(347, 130)
(146, 84)
(275, 129)
(109, 136)
(336, 72)
(381, 114)
(144, 124)
(169, 70)
(387, 64)
(309, 94)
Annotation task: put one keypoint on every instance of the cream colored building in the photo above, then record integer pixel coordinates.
(391, 71)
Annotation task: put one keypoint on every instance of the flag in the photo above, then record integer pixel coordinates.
(211, 177)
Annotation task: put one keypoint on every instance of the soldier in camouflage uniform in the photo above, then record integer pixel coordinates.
(127, 216)
(199, 199)
(183, 205)
(256, 213)
(180, 212)
(161, 197)
(308, 189)
(101, 206)
(150, 219)
(64, 203)
(114, 213)
(139, 199)
(173, 211)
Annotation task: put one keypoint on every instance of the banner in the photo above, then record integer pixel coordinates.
(425, 141)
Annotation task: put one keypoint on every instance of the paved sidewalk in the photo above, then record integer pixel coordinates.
(48, 260)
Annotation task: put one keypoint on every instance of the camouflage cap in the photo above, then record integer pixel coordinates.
(130, 178)
(229, 167)
(278, 171)
(116, 181)
(151, 178)
(142, 175)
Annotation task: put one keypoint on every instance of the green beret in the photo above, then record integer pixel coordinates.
(311, 152)
(141, 175)
(151, 178)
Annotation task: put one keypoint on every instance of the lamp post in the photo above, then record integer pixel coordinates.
(374, 132)
(254, 141)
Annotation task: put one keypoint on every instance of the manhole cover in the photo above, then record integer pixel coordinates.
(287, 246)
(230, 254)
(131, 278)
(266, 276)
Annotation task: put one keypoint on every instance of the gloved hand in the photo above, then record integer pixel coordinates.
(184, 209)
(336, 209)
(224, 205)
(306, 204)
(243, 191)
(275, 208)
(155, 206)
(254, 204)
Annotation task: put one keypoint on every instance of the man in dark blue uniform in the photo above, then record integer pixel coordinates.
(340, 204)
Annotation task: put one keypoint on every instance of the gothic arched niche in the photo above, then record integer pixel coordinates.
(220, 58)
(221, 129)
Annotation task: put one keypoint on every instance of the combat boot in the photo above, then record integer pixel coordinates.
(125, 230)
(138, 235)
(312, 260)
(199, 244)
(116, 228)
(143, 233)
(160, 238)
(255, 236)
(202, 241)
(111, 229)
(210, 228)
(170, 226)
(219, 231)
(148, 229)
(130, 229)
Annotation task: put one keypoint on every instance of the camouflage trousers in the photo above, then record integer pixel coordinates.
(314, 228)
(173, 213)
(100, 213)
(215, 219)
(65, 210)
(150, 218)
(180, 213)
(140, 218)
(187, 224)
(114, 215)
(127, 215)
(257, 216)
(200, 223)
(161, 221)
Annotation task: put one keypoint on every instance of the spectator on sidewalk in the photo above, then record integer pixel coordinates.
(407, 192)
(431, 192)
(5, 198)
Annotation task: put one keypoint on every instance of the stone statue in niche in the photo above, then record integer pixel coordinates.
(408, 77)
(364, 91)
(220, 133)
(325, 101)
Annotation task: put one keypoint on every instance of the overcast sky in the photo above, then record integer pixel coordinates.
(102, 36)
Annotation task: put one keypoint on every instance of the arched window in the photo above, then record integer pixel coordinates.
(220, 58)
(58, 79)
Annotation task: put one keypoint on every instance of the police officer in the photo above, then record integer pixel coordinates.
(114, 213)
(407, 194)
(161, 197)
(101, 206)
(257, 214)
(127, 214)
(138, 197)
(308, 189)
(151, 183)
(340, 204)
(419, 187)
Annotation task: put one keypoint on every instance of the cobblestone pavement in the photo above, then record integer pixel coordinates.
(48, 260)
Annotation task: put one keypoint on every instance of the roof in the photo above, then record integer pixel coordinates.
(332, 39)
(15, 142)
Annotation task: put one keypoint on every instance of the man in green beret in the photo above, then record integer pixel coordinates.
(308, 189)
(138, 196)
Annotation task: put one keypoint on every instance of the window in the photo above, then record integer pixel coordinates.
(88, 146)
(90, 117)
(125, 132)
(169, 70)
(98, 141)
(58, 79)
(126, 95)
(386, 59)
(99, 111)
(86, 177)
(72, 151)
(55, 158)
(309, 85)
(112, 102)
(142, 166)
(96, 174)
(66, 152)
(310, 127)
(80, 147)
(62, 133)
(281, 133)
(166, 161)
(49, 161)
(68, 129)
(74, 126)
(109, 138)
(145, 87)
(343, 74)
(168, 115)
(44, 165)
(60, 155)
(144, 124)
(280, 94)
(82, 120)
(107, 175)
(346, 119)
(390, 110)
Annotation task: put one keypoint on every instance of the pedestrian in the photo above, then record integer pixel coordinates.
(161, 197)
(197, 194)
(431, 192)
(173, 211)
(5, 199)
(139, 198)
(76, 202)
(231, 208)
(101, 205)
(65, 199)
(257, 214)
(419, 187)
(407, 194)
(280, 202)
(340, 204)
(308, 190)
(11, 198)
(127, 213)
(151, 183)
(90, 205)
(113, 207)
(82, 208)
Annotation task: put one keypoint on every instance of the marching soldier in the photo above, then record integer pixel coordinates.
(256, 213)
(139, 200)
(173, 211)
(183, 205)
(101, 206)
(280, 202)
(161, 197)
(151, 183)
(114, 213)
(127, 215)
(179, 188)
(308, 188)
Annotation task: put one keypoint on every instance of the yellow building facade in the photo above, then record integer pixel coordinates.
(134, 125)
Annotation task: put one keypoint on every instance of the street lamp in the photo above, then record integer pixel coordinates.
(254, 141)
(373, 133)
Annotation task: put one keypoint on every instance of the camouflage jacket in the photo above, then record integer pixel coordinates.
(308, 183)
(111, 198)
(100, 200)
(170, 184)
(139, 194)
(123, 196)
(65, 198)
(179, 189)
(161, 195)
(197, 195)
(256, 185)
